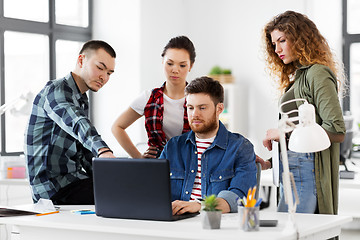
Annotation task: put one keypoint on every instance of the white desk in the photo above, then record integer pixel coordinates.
(349, 194)
(15, 182)
(65, 225)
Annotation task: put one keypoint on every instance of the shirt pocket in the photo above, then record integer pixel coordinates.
(220, 180)
(177, 181)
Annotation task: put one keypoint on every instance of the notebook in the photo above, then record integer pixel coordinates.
(133, 189)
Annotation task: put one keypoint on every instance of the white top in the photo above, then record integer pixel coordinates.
(173, 119)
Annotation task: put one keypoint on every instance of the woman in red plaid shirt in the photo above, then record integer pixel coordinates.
(164, 108)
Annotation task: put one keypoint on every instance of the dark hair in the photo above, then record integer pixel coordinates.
(208, 86)
(181, 42)
(98, 44)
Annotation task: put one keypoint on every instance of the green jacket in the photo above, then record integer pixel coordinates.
(318, 85)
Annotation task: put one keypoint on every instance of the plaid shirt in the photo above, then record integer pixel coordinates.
(154, 114)
(60, 140)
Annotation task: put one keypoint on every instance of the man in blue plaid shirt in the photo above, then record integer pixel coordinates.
(60, 140)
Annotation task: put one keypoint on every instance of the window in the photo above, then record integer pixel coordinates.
(67, 52)
(36, 46)
(26, 67)
(351, 56)
(77, 15)
(39, 10)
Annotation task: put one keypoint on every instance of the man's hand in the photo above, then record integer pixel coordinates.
(104, 153)
(107, 155)
(151, 152)
(181, 207)
(264, 164)
(223, 205)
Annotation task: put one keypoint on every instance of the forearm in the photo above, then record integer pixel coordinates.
(335, 138)
(228, 200)
(124, 140)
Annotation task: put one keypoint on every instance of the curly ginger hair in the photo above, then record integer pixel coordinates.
(306, 42)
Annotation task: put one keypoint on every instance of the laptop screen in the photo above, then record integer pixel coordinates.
(132, 188)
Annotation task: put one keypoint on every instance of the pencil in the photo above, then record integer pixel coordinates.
(42, 214)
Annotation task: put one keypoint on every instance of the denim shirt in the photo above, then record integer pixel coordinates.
(228, 167)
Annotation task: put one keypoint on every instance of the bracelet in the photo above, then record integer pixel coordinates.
(105, 151)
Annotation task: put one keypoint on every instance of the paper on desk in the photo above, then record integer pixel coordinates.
(44, 206)
(275, 162)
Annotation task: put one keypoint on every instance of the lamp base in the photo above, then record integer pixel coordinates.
(347, 174)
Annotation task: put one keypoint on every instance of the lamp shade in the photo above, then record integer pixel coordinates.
(308, 136)
(307, 139)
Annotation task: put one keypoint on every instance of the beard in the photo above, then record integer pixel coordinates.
(206, 127)
(91, 88)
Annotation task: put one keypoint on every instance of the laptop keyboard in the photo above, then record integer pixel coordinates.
(184, 216)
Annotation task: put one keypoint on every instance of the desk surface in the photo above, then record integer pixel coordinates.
(353, 165)
(67, 225)
(14, 181)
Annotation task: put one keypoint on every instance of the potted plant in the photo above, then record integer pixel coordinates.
(210, 216)
(221, 75)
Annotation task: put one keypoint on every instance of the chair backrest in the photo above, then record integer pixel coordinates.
(346, 145)
(258, 177)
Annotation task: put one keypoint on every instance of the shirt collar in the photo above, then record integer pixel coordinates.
(221, 138)
(72, 84)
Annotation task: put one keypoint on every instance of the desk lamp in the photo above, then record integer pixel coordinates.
(21, 104)
(17, 107)
(307, 136)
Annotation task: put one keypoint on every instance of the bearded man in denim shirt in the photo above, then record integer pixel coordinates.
(209, 159)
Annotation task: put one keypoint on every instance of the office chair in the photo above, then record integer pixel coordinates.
(346, 148)
(258, 178)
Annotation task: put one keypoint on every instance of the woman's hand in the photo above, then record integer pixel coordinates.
(271, 135)
(151, 152)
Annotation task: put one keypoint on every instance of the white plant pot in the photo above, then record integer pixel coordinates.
(211, 220)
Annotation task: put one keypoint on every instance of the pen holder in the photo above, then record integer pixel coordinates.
(249, 218)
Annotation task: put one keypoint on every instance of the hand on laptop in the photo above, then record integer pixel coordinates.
(181, 207)
(105, 153)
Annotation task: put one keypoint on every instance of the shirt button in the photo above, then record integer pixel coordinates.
(171, 174)
(220, 177)
(186, 192)
(195, 152)
(192, 171)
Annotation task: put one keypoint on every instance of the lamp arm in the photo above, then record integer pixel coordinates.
(286, 177)
(286, 172)
(23, 100)
(9, 105)
(290, 101)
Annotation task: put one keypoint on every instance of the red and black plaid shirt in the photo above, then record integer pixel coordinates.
(154, 116)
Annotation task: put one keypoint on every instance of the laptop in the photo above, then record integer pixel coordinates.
(133, 189)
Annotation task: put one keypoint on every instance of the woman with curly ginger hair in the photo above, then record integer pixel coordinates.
(301, 60)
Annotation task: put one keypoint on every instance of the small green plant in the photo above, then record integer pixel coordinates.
(210, 203)
(226, 71)
(216, 70)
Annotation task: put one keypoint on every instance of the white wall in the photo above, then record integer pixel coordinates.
(118, 23)
(225, 32)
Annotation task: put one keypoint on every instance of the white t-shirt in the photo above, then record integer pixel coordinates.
(173, 119)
